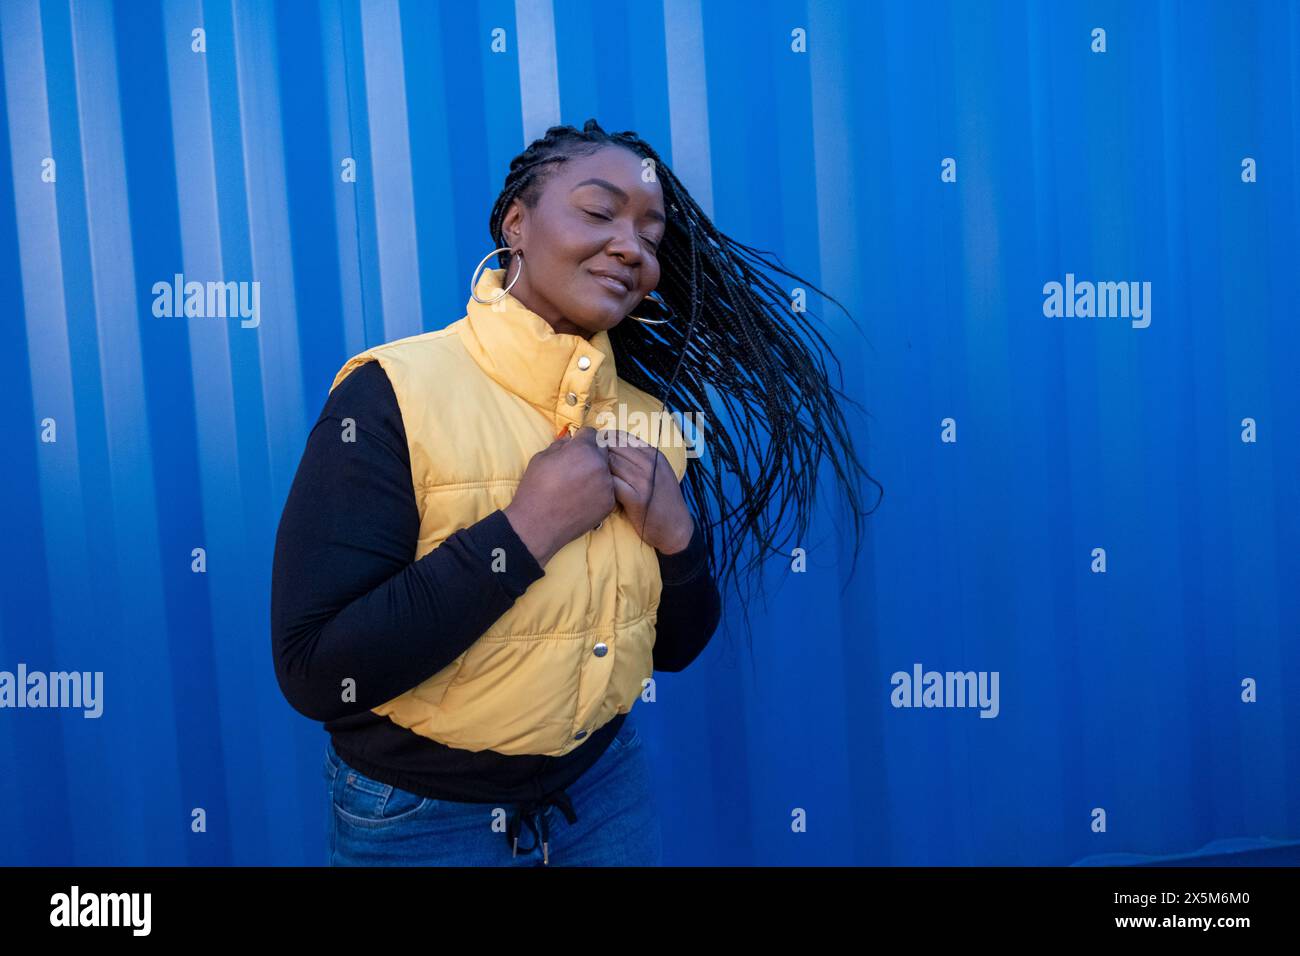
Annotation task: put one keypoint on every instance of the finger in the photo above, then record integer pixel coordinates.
(633, 463)
(639, 457)
(627, 439)
(617, 438)
(630, 473)
(620, 469)
(621, 466)
(624, 491)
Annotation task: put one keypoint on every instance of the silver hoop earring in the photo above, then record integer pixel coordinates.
(658, 301)
(473, 281)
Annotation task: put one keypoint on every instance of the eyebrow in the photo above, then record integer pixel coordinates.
(605, 184)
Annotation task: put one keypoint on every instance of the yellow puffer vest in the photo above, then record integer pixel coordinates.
(478, 399)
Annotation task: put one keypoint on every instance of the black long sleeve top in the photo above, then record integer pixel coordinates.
(347, 601)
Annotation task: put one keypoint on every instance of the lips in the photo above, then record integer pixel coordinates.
(618, 284)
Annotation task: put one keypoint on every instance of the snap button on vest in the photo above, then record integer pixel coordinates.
(584, 363)
(600, 649)
(571, 398)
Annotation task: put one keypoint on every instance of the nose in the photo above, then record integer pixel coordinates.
(625, 244)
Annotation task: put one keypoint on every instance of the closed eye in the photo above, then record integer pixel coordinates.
(603, 217)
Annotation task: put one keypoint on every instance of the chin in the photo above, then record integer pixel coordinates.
(602, 321)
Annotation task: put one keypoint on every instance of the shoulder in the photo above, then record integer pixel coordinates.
(365, 399)
(373, 386)
(366, 384)
(416, 352)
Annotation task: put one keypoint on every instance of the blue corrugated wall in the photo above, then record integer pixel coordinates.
(126, 156)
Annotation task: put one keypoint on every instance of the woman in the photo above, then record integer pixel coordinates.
(522, 456)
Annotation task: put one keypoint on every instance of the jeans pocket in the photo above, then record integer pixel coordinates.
(365, 802)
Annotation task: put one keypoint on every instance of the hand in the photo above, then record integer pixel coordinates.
(668, 524)
(566, 490)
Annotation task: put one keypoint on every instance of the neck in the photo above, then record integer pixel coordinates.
(534, 303)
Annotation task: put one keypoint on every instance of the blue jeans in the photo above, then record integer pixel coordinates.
(376, 824)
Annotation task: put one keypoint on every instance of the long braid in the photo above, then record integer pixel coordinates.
(733, 336)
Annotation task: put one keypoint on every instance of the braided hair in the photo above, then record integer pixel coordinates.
(733, 339)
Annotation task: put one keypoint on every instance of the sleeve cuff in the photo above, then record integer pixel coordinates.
(520, 567)
(685, 564)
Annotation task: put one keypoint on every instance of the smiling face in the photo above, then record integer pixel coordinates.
(589, 244)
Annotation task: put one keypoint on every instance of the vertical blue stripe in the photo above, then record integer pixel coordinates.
(539, 92)
(38, 636)
(133, 613)
(391, 155)
(688, 102)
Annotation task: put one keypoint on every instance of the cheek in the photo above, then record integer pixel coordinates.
(564, 246)
(650, 273)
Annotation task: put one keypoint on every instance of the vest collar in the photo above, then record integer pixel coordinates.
(521, 352)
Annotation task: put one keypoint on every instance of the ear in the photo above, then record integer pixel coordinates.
(512, 224)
